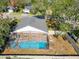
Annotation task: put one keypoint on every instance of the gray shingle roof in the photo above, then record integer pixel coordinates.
(32, 21)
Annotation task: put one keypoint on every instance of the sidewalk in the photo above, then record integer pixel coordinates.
(40, 57)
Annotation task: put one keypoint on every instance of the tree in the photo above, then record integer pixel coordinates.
(41, 6)
(66, 10)
(3, 5)
(6, 26)
(59, 7)
(56, 8)
(1, 42)
(65, 27)
(21, 3)
(4, 32)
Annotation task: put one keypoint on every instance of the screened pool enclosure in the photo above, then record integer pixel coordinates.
(29, 41)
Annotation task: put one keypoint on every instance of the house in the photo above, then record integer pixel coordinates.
(11, 9)
(30, 33)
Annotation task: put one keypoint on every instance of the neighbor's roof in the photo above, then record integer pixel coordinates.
(32, 23)
(10, 7)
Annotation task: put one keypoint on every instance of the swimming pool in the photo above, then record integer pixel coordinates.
(30, 45)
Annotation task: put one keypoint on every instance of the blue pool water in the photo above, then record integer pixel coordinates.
(30, 45)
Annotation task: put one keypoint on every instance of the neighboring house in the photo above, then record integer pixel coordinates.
(10, 9)
(30, 33)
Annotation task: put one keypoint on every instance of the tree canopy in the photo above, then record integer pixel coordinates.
(6, 26)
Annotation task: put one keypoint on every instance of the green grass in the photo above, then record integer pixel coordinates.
(31, 14)
(17, 14)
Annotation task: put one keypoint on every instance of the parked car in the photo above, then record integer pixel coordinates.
(26, 11)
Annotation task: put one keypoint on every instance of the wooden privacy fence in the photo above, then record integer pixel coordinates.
(73, 43)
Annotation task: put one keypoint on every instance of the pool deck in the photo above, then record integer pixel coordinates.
(35, 51)
(59, 47)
